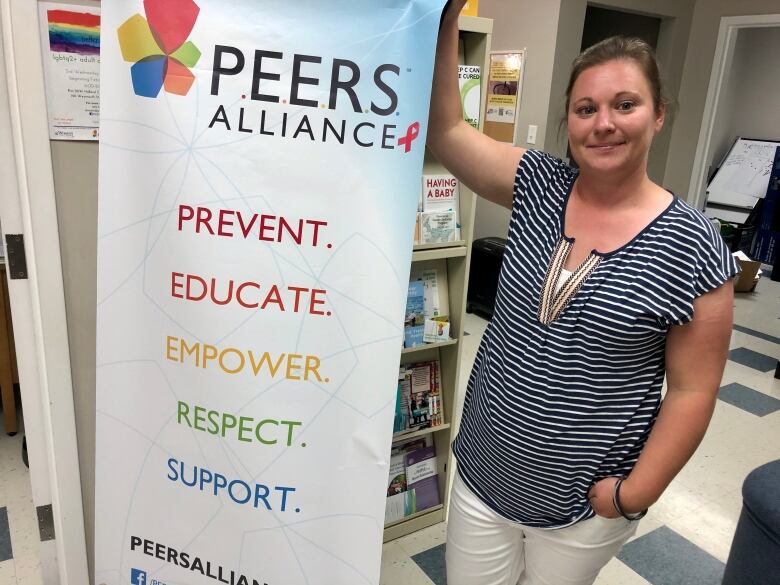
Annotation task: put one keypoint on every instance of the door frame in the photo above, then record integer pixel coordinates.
(28, 206)
(721, 66)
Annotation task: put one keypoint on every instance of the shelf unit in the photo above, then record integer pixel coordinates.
(403, 437)
(455, 251)
(421, 348)
(454, 257)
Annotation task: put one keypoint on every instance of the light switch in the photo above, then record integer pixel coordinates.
(531, 138)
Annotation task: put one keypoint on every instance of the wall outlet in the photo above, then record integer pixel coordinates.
(531, 138)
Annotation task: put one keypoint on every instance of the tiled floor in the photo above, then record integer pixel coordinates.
(685, 538)
(19, 537)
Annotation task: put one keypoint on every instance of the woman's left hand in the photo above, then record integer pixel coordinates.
(600, 496)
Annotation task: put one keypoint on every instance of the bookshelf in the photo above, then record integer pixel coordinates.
(421, 348)
(403, 437)
(455, 251)
(452, 258)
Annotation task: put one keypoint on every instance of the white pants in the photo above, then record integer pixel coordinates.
(484, 548)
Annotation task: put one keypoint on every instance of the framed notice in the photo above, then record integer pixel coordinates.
(503, 93)
(70, 39)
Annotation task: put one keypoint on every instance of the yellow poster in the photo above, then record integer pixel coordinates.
(501, 108)
(505, 70)
(471, 8)
(504, 86)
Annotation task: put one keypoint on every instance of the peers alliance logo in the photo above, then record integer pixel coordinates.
(162, 57)
(158, 47)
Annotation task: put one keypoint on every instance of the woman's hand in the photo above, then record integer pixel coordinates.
(454, 6)
(600, 496)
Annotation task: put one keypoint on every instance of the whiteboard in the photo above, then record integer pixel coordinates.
(743, 176)
(732, 215)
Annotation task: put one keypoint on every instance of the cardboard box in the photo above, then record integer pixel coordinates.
(749, 275)
(471, 8)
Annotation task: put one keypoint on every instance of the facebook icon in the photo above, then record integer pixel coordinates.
(137, 577)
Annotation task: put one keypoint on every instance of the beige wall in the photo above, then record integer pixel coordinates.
(75, 166)
(75, 182)
(551, 30)
(696, 79)
(686, 48)
(724, 132)
(519, 24)
(676, 18)
(528, 24)
(757, 114)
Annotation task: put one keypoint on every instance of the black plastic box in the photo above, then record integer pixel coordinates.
(487, 254)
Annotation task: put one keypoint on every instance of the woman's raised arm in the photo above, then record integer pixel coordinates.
(483, 164)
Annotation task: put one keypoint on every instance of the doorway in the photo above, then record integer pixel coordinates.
(20, 544)
(37, 307)
(602, 23)
(733, 81)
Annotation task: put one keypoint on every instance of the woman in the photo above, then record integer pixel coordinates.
(609, 283)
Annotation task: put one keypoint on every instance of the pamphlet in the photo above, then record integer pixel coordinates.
(469, 78)
(439, 227)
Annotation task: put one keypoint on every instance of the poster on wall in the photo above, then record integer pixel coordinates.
(257, 192)
(504, 86)
(503, 93)
(70, 39)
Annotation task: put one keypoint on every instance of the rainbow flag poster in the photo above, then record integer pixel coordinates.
(74, 32)
(70, 39)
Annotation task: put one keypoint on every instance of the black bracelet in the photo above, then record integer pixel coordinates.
(619, 508)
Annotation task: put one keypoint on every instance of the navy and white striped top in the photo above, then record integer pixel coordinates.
(552, 408)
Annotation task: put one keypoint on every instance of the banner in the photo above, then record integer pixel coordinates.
(260, 165)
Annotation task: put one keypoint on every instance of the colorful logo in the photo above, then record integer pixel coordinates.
(158, 47)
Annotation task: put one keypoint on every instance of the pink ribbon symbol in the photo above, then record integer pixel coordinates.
(412, 132)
